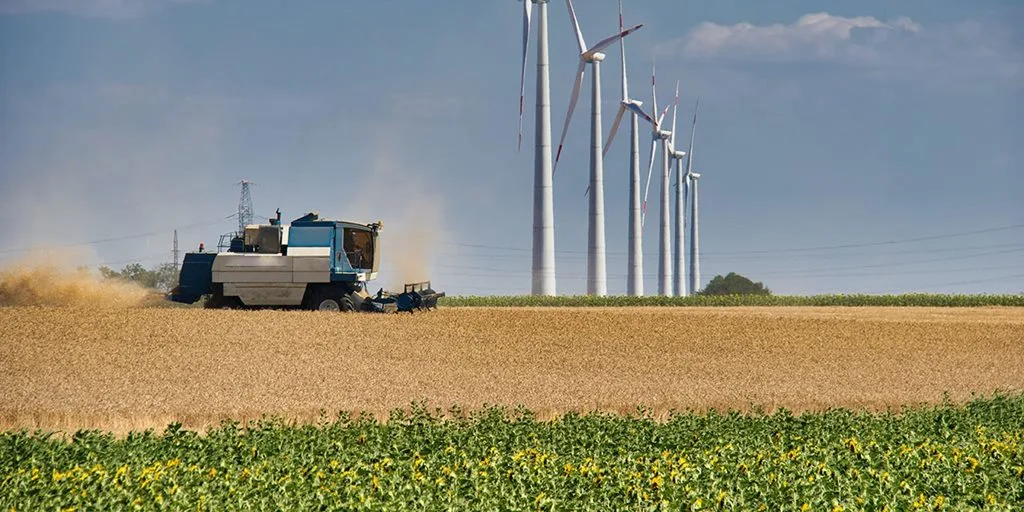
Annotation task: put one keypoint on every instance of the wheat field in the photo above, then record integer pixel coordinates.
(122, 369)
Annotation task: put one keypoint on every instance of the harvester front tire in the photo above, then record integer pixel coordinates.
(346, 304)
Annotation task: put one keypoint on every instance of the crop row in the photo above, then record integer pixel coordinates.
(951, 456)
(919, 300)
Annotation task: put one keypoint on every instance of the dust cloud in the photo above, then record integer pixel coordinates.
(47, 281)
(398, 192)
(410, 243)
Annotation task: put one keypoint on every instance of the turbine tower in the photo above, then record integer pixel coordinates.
(543, 271)
(691, 178)
(664, 228)
(245, 216)
(635, 262)
(597, 277)
(679, 278)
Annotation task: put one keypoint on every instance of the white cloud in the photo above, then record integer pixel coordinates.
(817, 36)
(115, 9)
(899, 47)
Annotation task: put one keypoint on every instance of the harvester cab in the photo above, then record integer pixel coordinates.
(313, 262)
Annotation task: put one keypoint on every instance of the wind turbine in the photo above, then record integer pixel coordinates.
(691, 178)
(597, 278)
(635, 263)
(543, 282)
(664, 231)
(680, 226)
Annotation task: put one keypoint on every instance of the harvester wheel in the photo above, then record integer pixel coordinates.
(328, 304)
(332, 299)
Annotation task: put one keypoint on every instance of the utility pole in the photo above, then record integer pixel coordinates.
(245, 215)
(175, 251)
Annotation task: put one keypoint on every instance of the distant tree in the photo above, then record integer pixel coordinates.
(734, 284)
(109, 272)
(162, 278)
(166, 277)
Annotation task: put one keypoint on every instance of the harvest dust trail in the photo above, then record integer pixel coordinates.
(50, 282)
(134, 368)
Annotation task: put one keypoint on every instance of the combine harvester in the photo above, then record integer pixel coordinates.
(312, 263)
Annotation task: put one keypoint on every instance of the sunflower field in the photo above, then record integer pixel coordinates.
(968, 456)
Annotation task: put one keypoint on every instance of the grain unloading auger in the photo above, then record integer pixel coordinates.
(312, 263)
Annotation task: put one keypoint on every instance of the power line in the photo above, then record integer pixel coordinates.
(505, 273)
(973, 281)
(137, 259)
(906, 272)
(717, 258)
(781, 251)
(900, 263)
(118, 238)
(511, 272)
(889, 242)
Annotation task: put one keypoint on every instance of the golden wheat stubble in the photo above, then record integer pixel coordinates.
(134, 368)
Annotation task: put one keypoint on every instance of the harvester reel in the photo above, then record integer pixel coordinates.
(416, 296)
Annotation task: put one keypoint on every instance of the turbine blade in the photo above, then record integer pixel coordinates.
(647, 188)
(610, 40)
(654, 92)
(675, 109)
(576, 27)
(615, 128)
(686, 202)
(568, 115)
(662, 116)
(632, 107)
(693, 134)
(622, 47)
(527, 8)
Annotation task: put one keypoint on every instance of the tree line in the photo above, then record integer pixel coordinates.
(163, 277)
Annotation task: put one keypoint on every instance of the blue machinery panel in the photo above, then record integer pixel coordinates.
(195, 277)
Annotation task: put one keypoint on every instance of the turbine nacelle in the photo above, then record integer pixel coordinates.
(664, 135)
(678, 155)
(588, 55)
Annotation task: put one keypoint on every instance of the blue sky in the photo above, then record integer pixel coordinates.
(862, 122)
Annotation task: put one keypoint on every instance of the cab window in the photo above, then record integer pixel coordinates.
(359, 248)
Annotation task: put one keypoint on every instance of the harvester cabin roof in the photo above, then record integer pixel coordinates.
(328, 222)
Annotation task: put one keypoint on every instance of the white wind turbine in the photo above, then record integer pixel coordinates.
(543, 270)
(664, 232)
(691, 179)
(597, 278)
(635, 263)
(679, 279)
